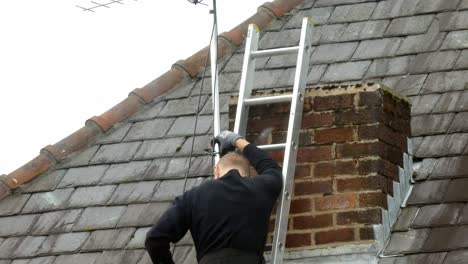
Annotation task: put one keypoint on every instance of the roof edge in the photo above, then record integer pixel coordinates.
(97, 125)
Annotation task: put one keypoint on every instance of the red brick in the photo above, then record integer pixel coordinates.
(298, 240)
(366, 233)
(347, 167)
(278, 123)
(373, 199)
(324, 170)
(316, 120)
(308, 187)
(369, 216)
(380, 166)
(271, 225)
(334, 135)
(392, 154)
(277, 155)
(302, 171)
(312, 221)
(383, 133)
(314, 154)
(358, 150)
(303, 205)
(336, 201)
(370, 99)
(333, 236)
(333, 102)
(358, 116)
(376, 182)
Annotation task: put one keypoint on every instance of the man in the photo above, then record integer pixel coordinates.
(228, 217)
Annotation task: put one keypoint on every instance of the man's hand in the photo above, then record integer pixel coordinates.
(227, 141)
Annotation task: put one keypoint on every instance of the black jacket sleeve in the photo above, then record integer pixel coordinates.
(172, 226)
(269, 172)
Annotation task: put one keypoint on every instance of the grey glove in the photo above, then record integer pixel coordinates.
(226, 140)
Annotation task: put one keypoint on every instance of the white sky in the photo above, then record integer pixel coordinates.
(60, 65)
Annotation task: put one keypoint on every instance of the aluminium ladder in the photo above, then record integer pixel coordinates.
(295, 116)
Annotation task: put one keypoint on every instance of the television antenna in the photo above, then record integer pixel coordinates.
(105, 4)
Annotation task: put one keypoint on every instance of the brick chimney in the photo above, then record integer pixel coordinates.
(353, 167)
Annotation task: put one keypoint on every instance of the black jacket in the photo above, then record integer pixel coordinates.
(230, 212)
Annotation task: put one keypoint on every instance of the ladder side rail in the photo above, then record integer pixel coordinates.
(289, 163)
(245, 89)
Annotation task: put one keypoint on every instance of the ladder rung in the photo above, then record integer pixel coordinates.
(274, 52)
(268, 100)
(273, 146)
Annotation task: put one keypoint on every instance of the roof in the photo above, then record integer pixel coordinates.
(95, 193)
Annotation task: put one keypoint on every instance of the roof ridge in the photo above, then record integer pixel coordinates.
(97, 125)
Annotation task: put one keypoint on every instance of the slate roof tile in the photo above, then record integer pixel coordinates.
(80, 159)
(449, 167)
(13, 204)
(88, 258)
(159, 148)
(352, 13)
(405, 219)
(63, 243)
(432, 258)
(56, 222)
(181, 253)
(115, 136)
(377, 48)
(426, 167)
(91, 196)
(462, 63)
(133, 192)
(437, 215)
(184, 126)
(448, 238)
(347, 71)
(452, 102)
(330, 53)
(113, 153)
(394, 8)
(99, 218)
(329, 33)
(436, 6)
(83, 176)
(228, 82)
(316, 73)
(8, 246)
(150, 129)
(274, 78)
(125, 172)
(431, 124)
(423, 104)
(456, 257)
(223, 105)
(169, 189)
(456, 191)
(284, 61)
(441, 82)
(235, 65)
(389, 67)
(463, 220)
(409, 25)
(284, 38)
(145, 259)
(456, 40)
(459, 123)
(320, 16)
(41, 260)
(45, 182)
(186, 106)
(442, 145)
(29, 246)
(453, 21)
(182, 90)
(108, 239)
(150, 113)
(365, 30)
(121, 256)
(138, 239)
(407, 242)
(463, 5)
(429, 41)
(428, 192)
(200, 145)
(47, 201)
(142, 214)
(407, 84)
(431, 62)
(321, 3)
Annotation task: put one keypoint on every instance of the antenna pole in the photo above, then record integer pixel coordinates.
(214, 79)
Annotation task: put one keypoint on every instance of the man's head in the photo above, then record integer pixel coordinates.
(232, 161)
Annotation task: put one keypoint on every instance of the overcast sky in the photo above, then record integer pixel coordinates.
(60, 65)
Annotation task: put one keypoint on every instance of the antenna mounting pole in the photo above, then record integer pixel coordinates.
(214, 79)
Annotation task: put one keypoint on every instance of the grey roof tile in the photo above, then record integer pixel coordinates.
(394, 8)
(125, 172)
(121, 256)
(431, 124)
(184, 126)
(159, 148)
(181, 253)
(201, 166)
(274, 78)
(424, 104)
(17, 225)
(405, 219)
(186, 106)
(79, 159)
(68, 242)
(329, 33)
(330, 53)
(8, 246)
(365, 30)
(13, 204)
(45, 182)
(6, 262)
(389, 67)
(432, 258)
(441, 82)
(456, 257)
(112, 153)
(409, 25)
(456, 40)
(429, 41)
(138, 239)
(235, 65)
(407, 242)
(416, 143)
(99, 217)
(115, 136)
(47, 201)
(133, 192)
(89, 196)
(463, 220)
(463, 5)
(431, 62)
(150, 129)
(83, 176)
(321, 3)
(352, 13)
(283, 61)
(448, 238)
(436, 6)
(442, 145)
(377, 48)
(223, 105)
(29, 246)
(407, 84)
(181, 90)
(108, 239)
(422, 173)
(453, 21)
(462, 63)
(170, 189)
(150, 113)
(56, 222)
(318, 15)
(200, 144)
(459, 124)
(348, 71)
(316, 73)
(42, 260)
(228, 82)
(449, 167)
(142, 214)
(284, 38)
(437, 215)
(452, 102)
(88, 258)
(456, 191)
(428, 192)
